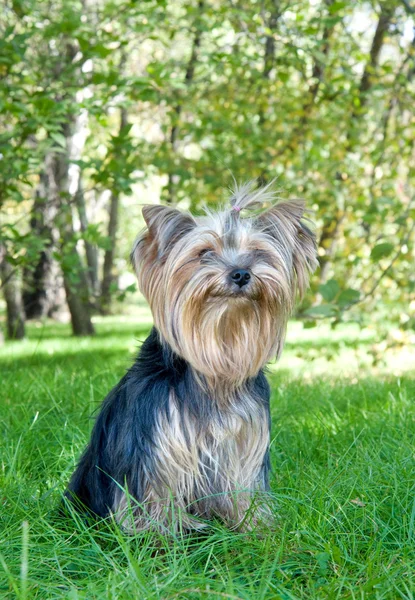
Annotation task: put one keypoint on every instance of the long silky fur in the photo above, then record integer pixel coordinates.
(158, 434)
(187, 428)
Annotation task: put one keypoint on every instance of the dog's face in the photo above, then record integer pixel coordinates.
(221, 287)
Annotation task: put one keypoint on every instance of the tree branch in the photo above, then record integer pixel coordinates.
(382, 27)
(410, 9)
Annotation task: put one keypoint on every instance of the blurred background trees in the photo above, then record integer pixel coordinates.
(109, 104)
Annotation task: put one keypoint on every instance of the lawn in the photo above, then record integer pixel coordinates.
(343, 478)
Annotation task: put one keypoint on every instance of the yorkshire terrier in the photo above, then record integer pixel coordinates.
(187, 430)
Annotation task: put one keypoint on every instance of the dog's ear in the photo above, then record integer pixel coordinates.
(165, 226)
(284, 223)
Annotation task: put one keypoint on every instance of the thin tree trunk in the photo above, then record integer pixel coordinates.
(74, 276)
(328, 240)
(319, 67)
(269, 51)
(188, 78)
(269, 62)
(91, 252)
(382, 27)
(75, 280)
(366, 82)
(80, 316)
(333, 232)
(108, 277)
(40, 292)
(65, 178)
(12, 290)
(76, 143)
(76, 288)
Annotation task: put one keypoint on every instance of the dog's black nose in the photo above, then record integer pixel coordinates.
(240, 276)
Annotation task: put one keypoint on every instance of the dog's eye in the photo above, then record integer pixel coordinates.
(204, 251)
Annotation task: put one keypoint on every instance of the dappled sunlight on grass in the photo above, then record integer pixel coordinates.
(47, 339)
(346, 350)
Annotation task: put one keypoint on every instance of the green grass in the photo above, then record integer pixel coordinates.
(343, 479)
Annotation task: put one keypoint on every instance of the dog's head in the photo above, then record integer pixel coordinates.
(221, 286)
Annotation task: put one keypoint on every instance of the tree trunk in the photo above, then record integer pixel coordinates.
(269, 63)
(188, 78)
(299, 132)
(332, 233)
(78, 306)
(74, 278)
(75, 282)
(64, 175)
(91, 251)
(108, 268)
(328, 240)
(269, 51)
(382, 27)
(366, 82)
(11, 284)
(41, 295)
(319, 68)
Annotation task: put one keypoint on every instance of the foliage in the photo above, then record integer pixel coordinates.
(318, 95)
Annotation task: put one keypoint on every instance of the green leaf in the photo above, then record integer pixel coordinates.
(381, 250)
(309, 324)
(283, 76)
(347, 297)
(336, 6)
(329, 290)
(59, 139)
(323, 310)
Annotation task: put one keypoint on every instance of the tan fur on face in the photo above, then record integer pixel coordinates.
(226, 339)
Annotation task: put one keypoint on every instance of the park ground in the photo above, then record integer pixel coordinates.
(343, 482)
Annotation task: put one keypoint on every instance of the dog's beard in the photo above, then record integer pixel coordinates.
(225, 335)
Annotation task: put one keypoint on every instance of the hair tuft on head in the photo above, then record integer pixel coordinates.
(253, 197)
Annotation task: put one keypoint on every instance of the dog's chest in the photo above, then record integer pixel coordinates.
(217, 450)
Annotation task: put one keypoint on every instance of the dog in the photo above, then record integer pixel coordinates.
(187, 430)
